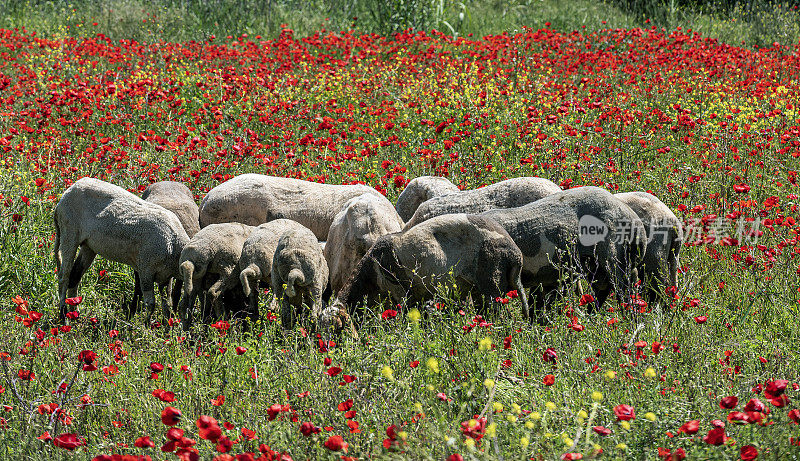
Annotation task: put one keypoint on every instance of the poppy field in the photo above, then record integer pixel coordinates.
(712, 129)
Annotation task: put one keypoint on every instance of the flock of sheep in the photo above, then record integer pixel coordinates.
(331, 247)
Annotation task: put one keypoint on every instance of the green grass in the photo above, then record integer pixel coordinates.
(174, 20)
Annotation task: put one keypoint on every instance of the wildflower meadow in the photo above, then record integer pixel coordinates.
(712, 129)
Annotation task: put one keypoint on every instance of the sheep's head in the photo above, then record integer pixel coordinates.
(335, 317)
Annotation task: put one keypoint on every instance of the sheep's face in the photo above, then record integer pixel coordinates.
(336, 317)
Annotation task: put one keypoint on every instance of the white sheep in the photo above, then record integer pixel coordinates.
(214, 251)
(106, 220)
(419, 190)
(585, 229)
(664, 240)
(255, 263)
(299, 275)
(254, 199)
(177, 198)
(473, 251)
(353, 232)
(504, 194)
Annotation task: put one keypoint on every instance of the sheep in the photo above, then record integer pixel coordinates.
(419, 190)
(475, 251)
(215, 249)
(106, 220)
(299, 275)
(354, 230)
(504, 194)
(255, 263)
(254, 199)
(585, 225)
(664, 240)
(177, 198)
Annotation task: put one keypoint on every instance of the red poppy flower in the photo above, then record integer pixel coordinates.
(26, 375)
(174, 434)
(775, 389)
(571, 456)
(455, 457)
(156, 367)
(333, 371)
(602, 430)
(586, 299)
(728, 403)
(346, 405)
(780, 402)
(208, 428)
(240, 350)
(748, 453)
(624, 412)
(336, 443)
(218, 401)
(549, 380)
(755, 405)
(667, 455)
(144, 442)
(274, 410)
(550, 355)
(248, 434)
(701, 319)
(738, 417)
(73, 301)
(389, 314)
(716, 436)
(794, 415)
(690, 428)
(309, 429)
(224, 444)
(170, 416)
(68, 441)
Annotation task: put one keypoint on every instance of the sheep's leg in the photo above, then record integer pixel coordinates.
(600, 296)
(148, 293)
(187, 303)
(164, 309)
(66, 254)
(164, 291)
(288, 309)
(226, 281)
(82, 263)
(177, 289)
(167, 292)
(133, 307)
(252, 306)
(537, 303)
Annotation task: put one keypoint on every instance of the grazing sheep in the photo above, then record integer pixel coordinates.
(504, 194)
(106, 220)
(177, 198)
(475, 251)
(586, 226)
(664, 240)
(215, 249)
(299, 275)
(419, 190)
(254, 199)
(255, 263)
(354, 230)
